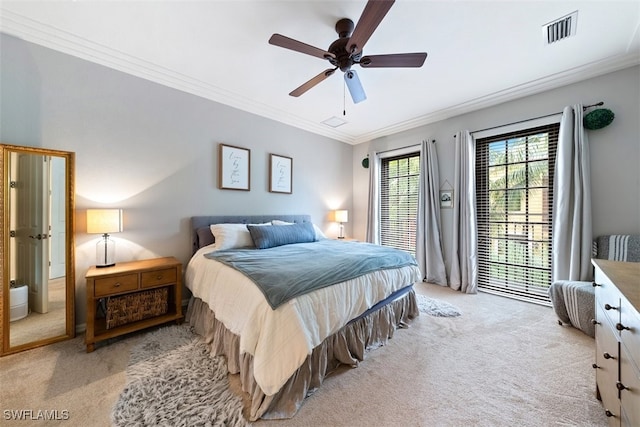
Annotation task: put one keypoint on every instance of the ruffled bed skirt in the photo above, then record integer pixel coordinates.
(345, 347)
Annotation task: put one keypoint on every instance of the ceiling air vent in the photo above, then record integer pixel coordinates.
(334, 122)
(560, 29)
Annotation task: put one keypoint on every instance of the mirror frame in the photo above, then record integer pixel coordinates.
(5, 347)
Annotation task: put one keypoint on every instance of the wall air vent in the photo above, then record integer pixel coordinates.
(560, 29)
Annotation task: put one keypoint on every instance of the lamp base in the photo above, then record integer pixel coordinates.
(105, 252)
(104, 266)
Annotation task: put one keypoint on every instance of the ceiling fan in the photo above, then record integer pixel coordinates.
(347, 50)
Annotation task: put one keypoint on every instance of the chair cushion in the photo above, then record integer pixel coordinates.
(574, 303)
(619, 247)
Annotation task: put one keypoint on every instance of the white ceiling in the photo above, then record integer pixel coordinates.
(480, 52)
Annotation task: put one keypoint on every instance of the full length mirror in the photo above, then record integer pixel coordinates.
(37, 251)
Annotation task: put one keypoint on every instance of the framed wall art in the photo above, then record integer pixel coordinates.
(446, 199)
(234, 168)
(280, 174)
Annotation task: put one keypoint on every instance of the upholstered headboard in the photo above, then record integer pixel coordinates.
(201, 233)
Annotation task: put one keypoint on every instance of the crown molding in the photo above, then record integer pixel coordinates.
(62, 41)
(50, 37)
(554, 81)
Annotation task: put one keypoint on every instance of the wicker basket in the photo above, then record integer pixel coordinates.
(129, 308)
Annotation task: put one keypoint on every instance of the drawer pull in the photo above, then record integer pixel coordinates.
(594, 284)
(610, 307)
(621, 327)
(609, 414)
(116, 285)
(608, 356)
(594, 366)
(594, 322)
(621, 386)
(159, 277)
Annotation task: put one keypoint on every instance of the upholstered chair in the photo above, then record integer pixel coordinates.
(574, 301)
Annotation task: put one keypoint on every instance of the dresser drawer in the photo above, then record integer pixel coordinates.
(116, 284)
(607, 364)
(607, 294)
(630, 318)
(159, 277)
(630, 378)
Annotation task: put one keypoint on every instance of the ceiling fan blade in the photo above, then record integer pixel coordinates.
(311, 83)
(289, 43)
(394, 60)
(355, 87)
(372, 15)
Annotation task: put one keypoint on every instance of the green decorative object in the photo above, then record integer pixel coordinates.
(365, 162)
(597, 119)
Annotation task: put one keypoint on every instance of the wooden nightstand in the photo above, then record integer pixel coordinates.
(131, 296)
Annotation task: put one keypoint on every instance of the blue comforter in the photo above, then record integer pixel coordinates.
(285, 272)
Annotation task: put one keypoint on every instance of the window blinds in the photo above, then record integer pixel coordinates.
(514, 190)
(400, 182)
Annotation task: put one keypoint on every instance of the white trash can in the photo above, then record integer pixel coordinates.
(19, 300)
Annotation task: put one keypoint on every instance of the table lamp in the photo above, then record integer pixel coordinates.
(104, 221)
(341, 216)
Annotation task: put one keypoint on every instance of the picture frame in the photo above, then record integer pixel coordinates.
(280, 174)
(446, 199)
(234, 168)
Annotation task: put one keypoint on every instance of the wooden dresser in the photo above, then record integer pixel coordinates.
(131, 296)
(617, 290)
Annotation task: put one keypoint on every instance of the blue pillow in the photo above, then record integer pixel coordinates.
(269, 236)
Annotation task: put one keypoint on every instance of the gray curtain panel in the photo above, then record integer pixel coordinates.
(428, 239)
(572, 235)
(464, 253)
(373, 211)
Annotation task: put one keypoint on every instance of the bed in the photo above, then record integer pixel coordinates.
(283, 346)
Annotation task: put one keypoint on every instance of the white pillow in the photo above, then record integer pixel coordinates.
(232, 236)
(319, 234)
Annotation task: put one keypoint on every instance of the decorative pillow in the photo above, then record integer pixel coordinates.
(205, 238)
(265, 237)
(319, 234)
(232, 236)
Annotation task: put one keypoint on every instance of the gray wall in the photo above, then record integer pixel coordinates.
(615, 150)
(152, 151)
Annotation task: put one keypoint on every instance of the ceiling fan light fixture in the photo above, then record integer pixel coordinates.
(346, 51)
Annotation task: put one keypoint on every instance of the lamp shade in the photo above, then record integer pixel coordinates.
(341, 215)
(101, 221)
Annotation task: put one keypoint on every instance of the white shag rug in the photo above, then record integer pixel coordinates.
(173, 381)
(437, 308)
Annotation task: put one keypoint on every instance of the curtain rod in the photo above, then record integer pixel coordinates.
(598, 104)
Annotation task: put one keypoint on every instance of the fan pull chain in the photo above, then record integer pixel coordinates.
(344, 98)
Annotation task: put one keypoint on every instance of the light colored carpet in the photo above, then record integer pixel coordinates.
(502, 363)
(173, 380)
